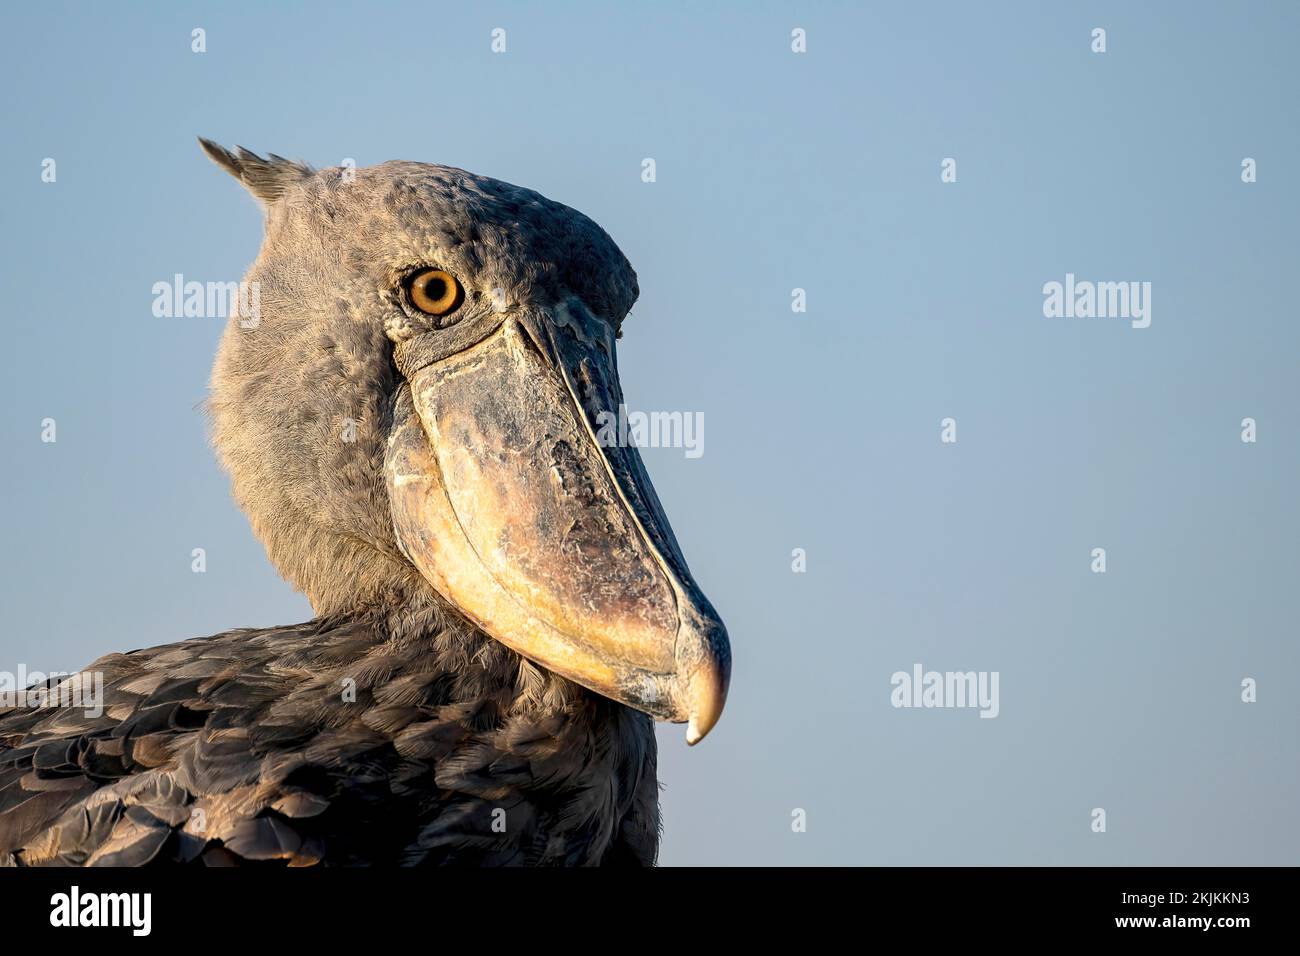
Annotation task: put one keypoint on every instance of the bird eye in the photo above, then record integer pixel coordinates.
(435, 292)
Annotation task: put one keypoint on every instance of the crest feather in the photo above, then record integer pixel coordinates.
(267, 179)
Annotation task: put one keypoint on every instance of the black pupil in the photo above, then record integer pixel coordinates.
(435, 288)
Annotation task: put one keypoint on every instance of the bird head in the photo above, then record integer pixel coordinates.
(414, 408)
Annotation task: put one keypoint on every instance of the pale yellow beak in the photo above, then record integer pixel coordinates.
(508, 504)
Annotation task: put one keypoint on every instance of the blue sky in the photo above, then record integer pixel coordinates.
(775, 171)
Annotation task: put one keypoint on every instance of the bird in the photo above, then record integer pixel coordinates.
(501, 609)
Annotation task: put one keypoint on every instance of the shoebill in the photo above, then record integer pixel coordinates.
(406, 408)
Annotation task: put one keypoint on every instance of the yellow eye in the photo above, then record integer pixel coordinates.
(435, 292)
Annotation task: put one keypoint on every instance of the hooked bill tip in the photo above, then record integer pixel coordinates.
(704, 716)
(693, 733)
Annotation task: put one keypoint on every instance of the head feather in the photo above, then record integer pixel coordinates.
(267, 179)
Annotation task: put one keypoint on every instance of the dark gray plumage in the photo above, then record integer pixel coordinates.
(250, 727)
